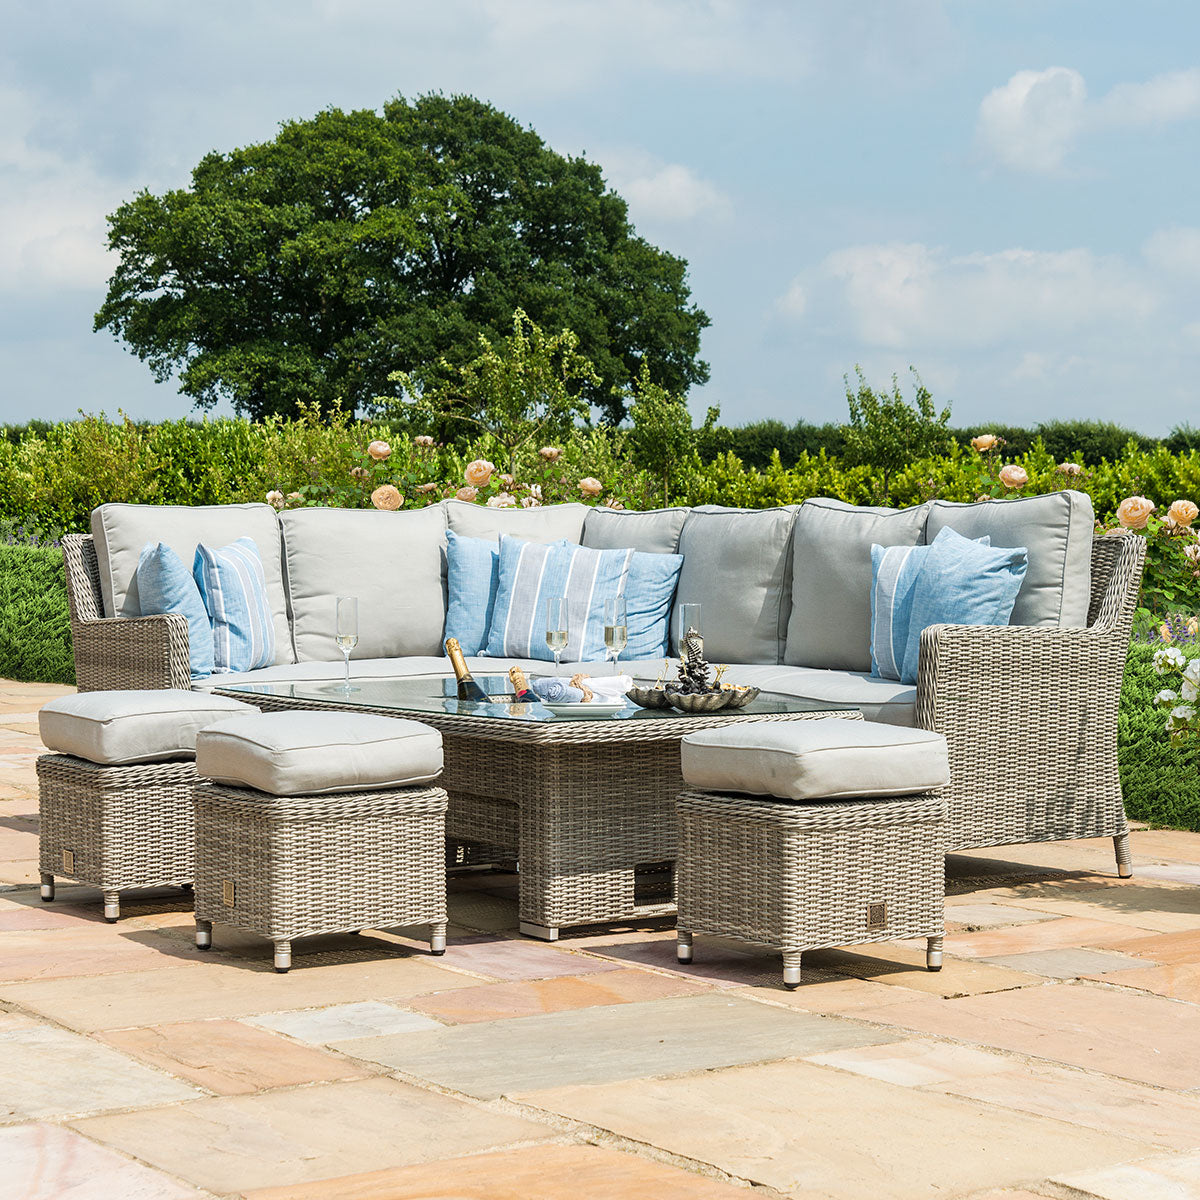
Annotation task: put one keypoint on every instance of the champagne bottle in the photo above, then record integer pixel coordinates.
(521, 688)
(468, 689)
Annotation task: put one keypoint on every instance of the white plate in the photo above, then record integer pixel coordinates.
(606, 708)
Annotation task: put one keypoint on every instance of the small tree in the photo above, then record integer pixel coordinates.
(526, 390)
(662, 439)
(888, 433)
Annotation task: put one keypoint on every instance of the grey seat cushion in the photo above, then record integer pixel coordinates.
(654, 531)
(825, 759)
(1056, 529)
(830, 621)
(120, 531)
(394, 562)
(545, 524)
(315, 753)
(116, 728)
(885, 700)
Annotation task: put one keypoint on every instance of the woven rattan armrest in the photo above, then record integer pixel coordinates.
(121, 653)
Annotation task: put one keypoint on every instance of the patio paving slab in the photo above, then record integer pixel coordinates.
(596, 1045)
(48, 1162)
(68, 952)
(527, 998)
(915, 1063)
(235, 1143)
(321, 1026)
(985, 916)
(1068, 963)
(546, 1172)
(229, 1057)
(223, 989)
(1167, 949)
(1173, 1177)
(1133, 1035)
(903, 965)
(48, 1072)
(512, 958)
(813, 1132)
(1162, 909)
(1064, 932)
(1180, 982)
(832, 996)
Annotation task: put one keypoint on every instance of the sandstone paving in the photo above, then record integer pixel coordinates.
(68, 952)
(1178, 981)
(915, 1062)
(1129, 1034)
(509, 958)
(903, 965)
(338, 1022)
(1159, 908)
(620, 1042)
(1170, 1177)
(811, 1132)
(50, 1072)
(229, 1057)
(48, 1162)
(236, 1143)
(831, 995)
(547, 1172)
(1065, 932)
(526, 998)
(985, 916)
(1068, 962)
(1166, 949)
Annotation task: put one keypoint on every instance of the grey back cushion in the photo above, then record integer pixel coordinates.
(1057, 530)
(737, 566)
(394, 562)
(121, 530)
(830, 620)
(655, 531)
(546, 524)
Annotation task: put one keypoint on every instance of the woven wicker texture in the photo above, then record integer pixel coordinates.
(125, 826)
(805, 876)
(320, 864)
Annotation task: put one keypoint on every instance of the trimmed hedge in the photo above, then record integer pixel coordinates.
(35, 630)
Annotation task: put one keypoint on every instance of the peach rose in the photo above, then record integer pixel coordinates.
(479, 473)
(425, 487)
(590, 487)
(379, 450)
(613, 502)
(293, 497)
(387, 497)
(466, 493)
(1133, 512)
(502, 500)
(506, 482)
(982, 499)
(985, 442)
(1071, 469)
(550, 453)
(1013, 476)
(359, 473)
(275, 499)
(1182, 513)
(422, 439)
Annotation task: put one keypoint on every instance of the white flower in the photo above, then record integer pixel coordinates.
(1169, 659)
(1192, 671)
(1189, 691)
(1166, 696)
(1182, 712)
(502, 500)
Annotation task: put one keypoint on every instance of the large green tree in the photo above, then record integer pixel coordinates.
(308, 268)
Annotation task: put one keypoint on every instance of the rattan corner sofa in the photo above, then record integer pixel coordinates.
(1029, 710)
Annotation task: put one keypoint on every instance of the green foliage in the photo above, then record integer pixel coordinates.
(1160, 781)
(306, 269)
(887, 433)
(755, 443)
(35, 631)
(663, 441)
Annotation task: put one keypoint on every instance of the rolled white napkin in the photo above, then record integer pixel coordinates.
(610, 687)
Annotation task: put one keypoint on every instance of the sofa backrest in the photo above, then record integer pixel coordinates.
(120, 531)
(394, 562)
(548, 523)
(652, 531)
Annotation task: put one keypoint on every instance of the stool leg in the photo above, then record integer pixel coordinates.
(437, 937)
(203, 934)
(933, 954)
(683, 945)
(112, 906)
(47, 887)
(283, 957)
(791, 970)
(1124, 857)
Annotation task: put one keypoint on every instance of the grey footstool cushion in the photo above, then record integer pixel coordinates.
(122, 727)
(315, 753)
(812, 760)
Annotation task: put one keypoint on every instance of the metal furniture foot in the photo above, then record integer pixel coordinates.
(112, 906)
(437, 938)
(791, 971)
(683, 945)
(203, 935)
(1124, 855)
(283, 957)
(547, 933)
(47, 888)
(933, 954)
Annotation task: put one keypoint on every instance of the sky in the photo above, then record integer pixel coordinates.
(1003, 196)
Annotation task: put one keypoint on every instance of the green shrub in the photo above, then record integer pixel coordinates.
(35, 631)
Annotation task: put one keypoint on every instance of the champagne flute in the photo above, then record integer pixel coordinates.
(616, 631)
(347, 633)
(689, 622)
(556, 627)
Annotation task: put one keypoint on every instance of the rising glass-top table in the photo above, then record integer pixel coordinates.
(585, 806)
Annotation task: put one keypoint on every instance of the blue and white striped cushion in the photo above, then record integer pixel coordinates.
(532, 573)
(234, 590)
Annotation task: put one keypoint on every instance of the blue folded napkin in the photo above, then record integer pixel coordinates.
(555, 690)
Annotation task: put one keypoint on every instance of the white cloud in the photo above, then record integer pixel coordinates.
(793, 302)
(1032, 122)
(662, 192)
(1175, 251)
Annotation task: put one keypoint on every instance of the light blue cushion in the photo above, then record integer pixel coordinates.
(962, 583)
(234, 589)
(894, 572)
(164, 586)
(472, 577)
(530, 574)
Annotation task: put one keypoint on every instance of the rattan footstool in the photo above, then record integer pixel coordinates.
(765, 858)
(115, 802)
(315, 823)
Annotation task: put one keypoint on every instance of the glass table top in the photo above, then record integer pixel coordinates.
(438, 695)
